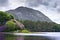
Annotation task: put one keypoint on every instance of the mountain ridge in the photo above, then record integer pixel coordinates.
(25, 13)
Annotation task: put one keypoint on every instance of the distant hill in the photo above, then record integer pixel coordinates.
(24, 13)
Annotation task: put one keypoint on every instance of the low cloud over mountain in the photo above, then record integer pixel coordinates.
(48, 7)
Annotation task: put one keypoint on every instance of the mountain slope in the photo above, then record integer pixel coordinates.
(24, 13)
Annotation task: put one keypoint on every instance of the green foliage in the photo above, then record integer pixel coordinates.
(5, 17)
(38, 26)
(56, 28)
(24, 31)
(33, 26)
(10, 26)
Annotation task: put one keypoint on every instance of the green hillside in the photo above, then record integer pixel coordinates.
(29, 26)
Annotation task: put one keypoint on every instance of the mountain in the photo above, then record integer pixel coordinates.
(24, 13)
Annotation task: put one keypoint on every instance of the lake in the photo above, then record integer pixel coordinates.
(30, 36)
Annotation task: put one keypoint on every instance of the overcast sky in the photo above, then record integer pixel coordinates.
(50, 8)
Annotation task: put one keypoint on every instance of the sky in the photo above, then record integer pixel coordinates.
(50, 8)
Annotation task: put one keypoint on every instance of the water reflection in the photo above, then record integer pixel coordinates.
(36, 38)
(2, 36)
(20, 38)
(28, 38)
(24, 37)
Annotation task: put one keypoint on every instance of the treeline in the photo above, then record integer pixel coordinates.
(4, 17)
(38, 26)
(32, 26)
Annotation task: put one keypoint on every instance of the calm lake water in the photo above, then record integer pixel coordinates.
(30, 36)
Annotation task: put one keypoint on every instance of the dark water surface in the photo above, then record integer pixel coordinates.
(21, 36)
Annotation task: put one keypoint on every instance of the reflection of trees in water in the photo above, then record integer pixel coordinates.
(12, 37)
(32, 38)
(36, 38)
(19, 38)
(2, 36)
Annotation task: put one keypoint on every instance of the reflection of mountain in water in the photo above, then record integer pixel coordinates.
(31, 36)
(38, 36)
(24, 13)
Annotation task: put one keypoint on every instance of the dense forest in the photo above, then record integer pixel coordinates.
(30, 26)
(38, 26)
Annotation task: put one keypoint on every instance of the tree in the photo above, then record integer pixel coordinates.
(4, 17)
(11, 26)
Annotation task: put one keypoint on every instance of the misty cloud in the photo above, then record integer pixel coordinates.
(33, 2)
(3, 2)
(47, 7)
(49, 3)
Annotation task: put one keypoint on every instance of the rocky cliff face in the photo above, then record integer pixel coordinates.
(24, 13)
